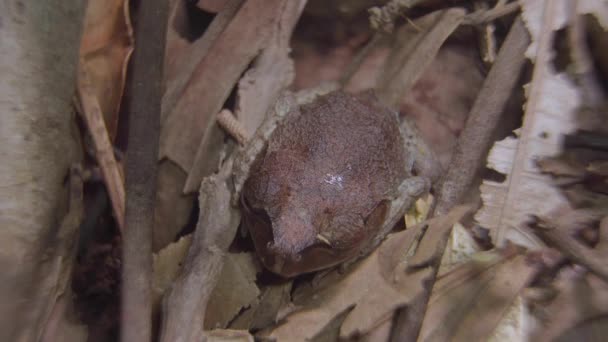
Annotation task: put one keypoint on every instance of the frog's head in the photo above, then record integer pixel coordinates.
(296, 239)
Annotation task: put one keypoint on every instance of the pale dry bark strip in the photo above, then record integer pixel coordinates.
(144, 126)
(104, 152)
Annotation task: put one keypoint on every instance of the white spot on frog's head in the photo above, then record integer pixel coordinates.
(335, 180)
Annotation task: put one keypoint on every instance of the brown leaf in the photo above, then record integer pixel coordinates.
(407, 62)
(471, 300)
(106, 46)
(193, 117)
(265, 312)
(371, 287)
(173, 207)
(235, 289)
(438, 230)
(581, 298)
(260, 86)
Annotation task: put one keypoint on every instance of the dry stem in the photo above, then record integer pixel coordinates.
(144, 126)
(110, 169)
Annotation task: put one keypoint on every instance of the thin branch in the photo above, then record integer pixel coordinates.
(104, 152)
(185, 304)
(142, 152)
(475, 139)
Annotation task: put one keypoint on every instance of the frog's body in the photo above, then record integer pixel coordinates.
(321, 190)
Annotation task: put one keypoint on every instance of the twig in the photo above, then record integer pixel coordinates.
(481, 17)
(104, 152)
(185, 304)
(574, 250)
(142, 152)
(485, 115)
(486, 38)
(383, 18)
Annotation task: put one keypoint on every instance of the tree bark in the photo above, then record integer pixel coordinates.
(39, 44)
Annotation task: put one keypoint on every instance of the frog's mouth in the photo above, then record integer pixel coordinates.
(319, 255)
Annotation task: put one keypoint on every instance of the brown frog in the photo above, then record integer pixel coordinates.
(332, 180)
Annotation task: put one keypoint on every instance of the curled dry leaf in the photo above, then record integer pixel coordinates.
(236, 288)
(106, 46)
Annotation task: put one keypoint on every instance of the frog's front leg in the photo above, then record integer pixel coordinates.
(407, 193)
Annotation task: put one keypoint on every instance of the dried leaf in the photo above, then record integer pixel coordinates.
(265, 312)
(173, 207)
(228, 335)
(166, 266)
(438, 230)
(580, 299)
(193, 117)
(106, 46)
(473, 299)
(368, 288)
(552, 100)
(407, 62)
(272, 72)
(459, 249)
(235, 290)
(259, 88)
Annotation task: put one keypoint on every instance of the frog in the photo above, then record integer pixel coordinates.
(325, 179)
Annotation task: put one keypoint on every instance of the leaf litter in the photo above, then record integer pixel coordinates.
(476, 294)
